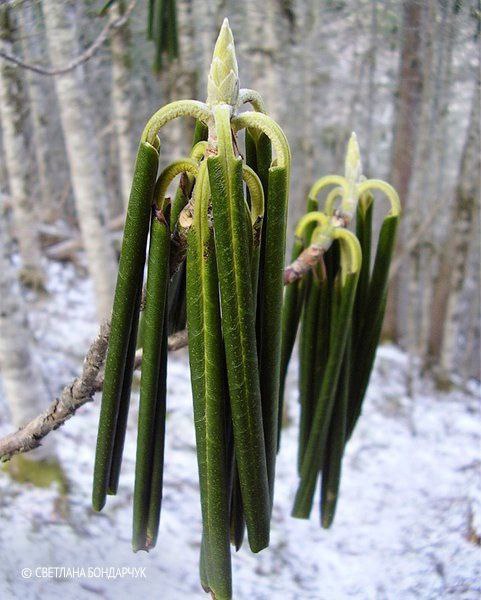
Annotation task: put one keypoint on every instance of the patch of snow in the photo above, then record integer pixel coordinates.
(410, 494)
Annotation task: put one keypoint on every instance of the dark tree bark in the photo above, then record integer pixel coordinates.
(446, 309)
(405, 131)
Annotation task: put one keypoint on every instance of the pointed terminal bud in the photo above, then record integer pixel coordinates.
(353, 175)
(353, 164)
(223, 81)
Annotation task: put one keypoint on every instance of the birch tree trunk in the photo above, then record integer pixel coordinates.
(82, 151)
(21, 378)
(451, 14)
(179, 77)
(405, 134)
(33, 53)
(303, 50)
(264, 25)
(12, 114)
(447, 312)
(417, 284)
(435, 152)
(204, 26)
(121, 101)
(371, 88)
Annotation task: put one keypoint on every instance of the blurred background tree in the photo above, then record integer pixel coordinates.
(402, 74)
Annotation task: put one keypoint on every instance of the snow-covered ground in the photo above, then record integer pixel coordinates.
(407, 520)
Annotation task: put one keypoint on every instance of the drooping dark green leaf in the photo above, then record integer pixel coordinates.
(207, 364)
(364, 352)
(272, 269)
(131, 265)
(124, 403)
(157, 477)
(238, 327)
(331, 470)
(148, 425)
(316, 446)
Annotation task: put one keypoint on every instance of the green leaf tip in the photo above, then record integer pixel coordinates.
(223, 80)
(351, 255)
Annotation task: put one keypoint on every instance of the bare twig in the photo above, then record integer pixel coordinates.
(74, 395)
(306, 260)
(110, 28)
(177, 340)
(178, 250)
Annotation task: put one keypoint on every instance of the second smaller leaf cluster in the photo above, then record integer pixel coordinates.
(339, 304)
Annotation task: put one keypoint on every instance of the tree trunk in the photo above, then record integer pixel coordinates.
(264, 22)
(446, 311)
(419, 200)
(405, 131)
(304, 51)
(121, 101)
(22, 381)
(203, 33)
(82, 151)
(450, 33)
(12, 114)
(371, 88)
(434, 192)
(33, 53)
